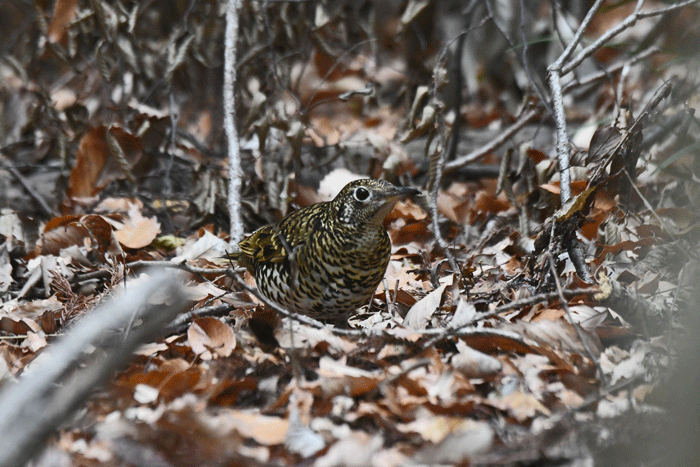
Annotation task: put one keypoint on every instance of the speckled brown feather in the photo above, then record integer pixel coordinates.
(335, 256)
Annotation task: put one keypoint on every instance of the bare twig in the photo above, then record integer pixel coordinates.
(105, 273)
(38, 199)
(565, 64)
(437, 161)
(577, 328)
(525, 118)
(180, 323)
(235, 173)
(559, 64)
(310, 104)
(554, 73)
(540, 298)
(593, 77)
(635, 16)
(553, 78)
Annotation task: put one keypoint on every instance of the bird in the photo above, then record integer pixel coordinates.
(325, 260)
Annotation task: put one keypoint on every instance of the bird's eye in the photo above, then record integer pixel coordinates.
(361, 194)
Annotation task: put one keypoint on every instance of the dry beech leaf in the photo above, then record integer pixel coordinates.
(67, 231)
(473, 363)
(172, 379)
(205, 245)
(557, 334)
(64, 12)
(486, 203)
(176, 384)
(95, 166)
(145, 394)
(137, 231)
(210, 338)
(151, 349)
(59, 233)
(306, 336)
(419, 314)
(464, 314)
(432, 427)
(454, 206)
(407, 210)
(301, 439)
(34, 341)
(523, 406)
(111, 205)
(91, 158)
(338, 378)
(17, 325)
(263, 429)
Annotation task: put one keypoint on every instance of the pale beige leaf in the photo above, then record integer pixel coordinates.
(137, 231)
(210, 338)
(419, 314)
(473, 363)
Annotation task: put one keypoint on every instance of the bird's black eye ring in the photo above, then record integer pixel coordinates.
(361, 193)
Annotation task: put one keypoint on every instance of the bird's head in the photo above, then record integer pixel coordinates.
(368, 201)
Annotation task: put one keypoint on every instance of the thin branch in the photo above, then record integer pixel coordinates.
(561, 68)
(235, 173)
(44, 399)
(577, 328)
(496, 143)
(553, 78)
(181, 323)
(635, 16)
(577, 36)
(38, 199)
(593, 77)
(443, 333)
(449, 152)
(666, 9)
(105, 273)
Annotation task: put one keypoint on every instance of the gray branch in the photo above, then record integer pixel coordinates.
(67, 371)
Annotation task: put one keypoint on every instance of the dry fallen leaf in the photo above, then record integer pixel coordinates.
(137, 231)
(210, 338)
(354, 450)
(468, 438)
(419, 314)
(473, 363)
(263, 429)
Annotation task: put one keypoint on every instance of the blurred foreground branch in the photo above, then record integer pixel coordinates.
(67, 372)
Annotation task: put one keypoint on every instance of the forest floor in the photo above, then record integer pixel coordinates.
(509, 330)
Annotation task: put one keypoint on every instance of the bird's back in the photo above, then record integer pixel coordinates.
(323, 268)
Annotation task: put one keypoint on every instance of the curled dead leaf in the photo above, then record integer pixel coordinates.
(210, 338)
(419, 314)
(90, 230)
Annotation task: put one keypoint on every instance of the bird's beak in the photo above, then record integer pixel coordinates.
(389, 200)
(402, 192)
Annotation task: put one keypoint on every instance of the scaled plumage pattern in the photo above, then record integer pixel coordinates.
(325, 260)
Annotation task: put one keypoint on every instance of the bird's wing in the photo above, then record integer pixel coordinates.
(263, 246)
(266, 244)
